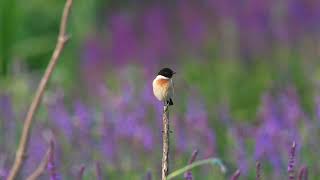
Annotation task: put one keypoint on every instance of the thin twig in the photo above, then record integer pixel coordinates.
(165, 146)
(24, 140)
(42, 166)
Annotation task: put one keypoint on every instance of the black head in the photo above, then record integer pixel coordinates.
(166, 72)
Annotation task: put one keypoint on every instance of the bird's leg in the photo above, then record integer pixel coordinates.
(166, 103)
(170, 102)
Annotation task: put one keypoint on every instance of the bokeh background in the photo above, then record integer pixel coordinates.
(247, 85)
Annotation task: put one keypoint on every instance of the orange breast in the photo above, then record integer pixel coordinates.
(163, 83)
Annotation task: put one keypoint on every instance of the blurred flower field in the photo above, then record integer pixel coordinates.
(247, 86)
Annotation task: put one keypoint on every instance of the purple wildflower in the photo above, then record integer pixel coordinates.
(124, 42)
(258, 171)
(51, 163)
(80, 173)
(193, 23)
(98, 171)
(235, 175)
(3, 170)
(269, 133)
(156, 42)
(92, 53)
(210, 137)
(6, 109)
(181, 141)
(196, 114)
(196, 119)
(188, 174)
(7, 120)
(303, 173)
(82, 118)
(317, 109)
(193, 156)
(239, 151)
(107, 134)
(36, 150)
(291, 163)
(93, 63)
(291, 110)
(144, 135)
(60, 117)
(148, 176)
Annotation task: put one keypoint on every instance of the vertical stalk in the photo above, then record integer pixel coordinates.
(165, 145)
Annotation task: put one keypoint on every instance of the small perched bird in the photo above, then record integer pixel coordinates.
(163, 86)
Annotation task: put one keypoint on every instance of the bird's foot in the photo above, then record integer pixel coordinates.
(170, 131)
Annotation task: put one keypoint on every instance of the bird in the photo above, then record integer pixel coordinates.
(163, 86)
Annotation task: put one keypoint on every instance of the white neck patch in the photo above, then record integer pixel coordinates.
(161, 77)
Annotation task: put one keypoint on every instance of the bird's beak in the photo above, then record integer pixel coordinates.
(174, 72)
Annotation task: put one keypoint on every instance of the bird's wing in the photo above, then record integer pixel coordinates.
(172, 89)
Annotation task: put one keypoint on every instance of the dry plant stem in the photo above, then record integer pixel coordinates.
(165, 140)
(81, 171)
(24, 140)
(42, 166)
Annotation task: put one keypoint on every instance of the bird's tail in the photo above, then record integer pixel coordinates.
(170, 102)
